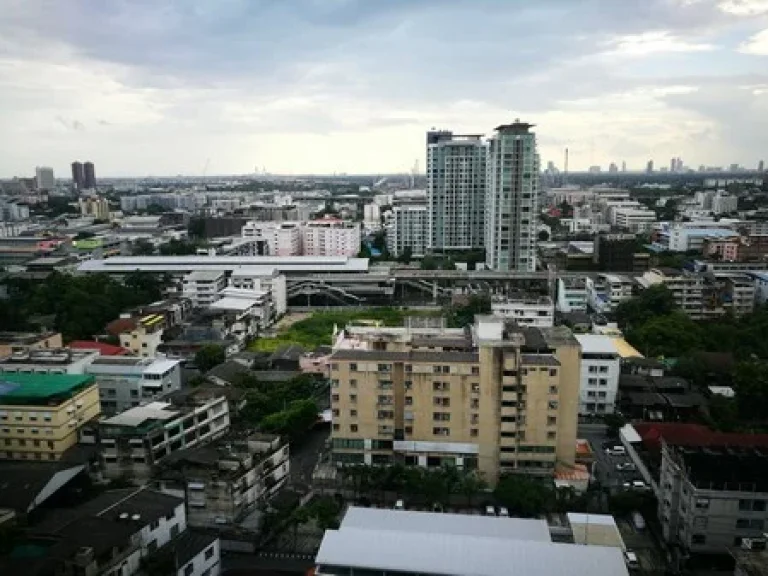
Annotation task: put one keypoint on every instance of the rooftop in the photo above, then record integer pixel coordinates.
(597, 344)
(103, 348)
(412, 356)
(140, 415)
(448, 553)
(24, 485)
(41, 389)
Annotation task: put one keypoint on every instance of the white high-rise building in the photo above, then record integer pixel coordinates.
(456, 176)
(408, 227)
(45, 178)
(511, 207)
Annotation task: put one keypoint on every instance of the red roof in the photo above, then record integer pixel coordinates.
(692, 435)
(103, 348)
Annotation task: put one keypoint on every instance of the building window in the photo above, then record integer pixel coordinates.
(551, 420)
(553, 389)
(336, 427)
(551, 435)
(353, 383)
(174, 530)
(353, 413)
(603, 369)
(441, 431)
(474, 403)
(553, 405)
(441, 416)
(335, 412)
(444, 402)
(209, 553)
(353, 427)
(189, 569)
(353, 398)
(592, 381)
(408, 430)
(334, 383)
(475, 370)
(409, 400)
(334, 366)
(384, 367)
(334, 398)
(353, 367)
(552, 372)
(441, 386)
(473, 432)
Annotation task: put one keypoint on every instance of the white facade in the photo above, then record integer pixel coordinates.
(203, 286)
(761, 287)
(456, 179)
(634, 219)
(125, 382)
(247, 278)
(330, 237)
(408, 226)
(512, 199)
(572, 294)
(600, 367)
(372, 215)
(48, 361)
(45, 178)
(538, 313)
(252, 311)
(206, 563)
(283, 238)
(606, 291)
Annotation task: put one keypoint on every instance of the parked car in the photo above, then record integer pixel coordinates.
(503, 512)
(616, 451)
(626, 467)
(639, 485)
(490, 511)
(399, 505)
(631, 559)
(638, 520)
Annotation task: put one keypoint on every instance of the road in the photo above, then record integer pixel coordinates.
(605, 466)
(305, 454)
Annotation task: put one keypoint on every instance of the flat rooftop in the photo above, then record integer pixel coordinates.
(597, 344)
(136, 417)
(453, 553)
(41, 389)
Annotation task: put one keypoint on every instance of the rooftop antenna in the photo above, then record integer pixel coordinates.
(565, 170)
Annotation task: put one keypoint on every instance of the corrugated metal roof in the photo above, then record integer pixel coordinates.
(456, 524)
(461, 555)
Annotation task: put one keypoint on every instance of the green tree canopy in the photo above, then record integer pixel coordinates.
(210, 356)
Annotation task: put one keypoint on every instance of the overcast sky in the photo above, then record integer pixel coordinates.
(162, 87)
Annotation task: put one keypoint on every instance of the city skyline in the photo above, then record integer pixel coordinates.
(347, 86)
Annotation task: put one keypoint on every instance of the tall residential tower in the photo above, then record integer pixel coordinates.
(456, 176)
(511, 205)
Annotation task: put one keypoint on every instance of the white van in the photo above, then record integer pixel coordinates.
(616, 451)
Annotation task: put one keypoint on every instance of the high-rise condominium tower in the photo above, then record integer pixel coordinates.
(78, 176)
(90, 175)
(512, 193)
(456, 176)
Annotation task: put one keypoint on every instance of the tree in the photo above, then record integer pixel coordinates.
(523, 496)
(673, 335)
(614, 422)
(470, 485)
(209, 356)
(657, 300)
(406, 255)
(429, 262)
(460, 316)
(143, 248)
(543, 236)
(178, 248)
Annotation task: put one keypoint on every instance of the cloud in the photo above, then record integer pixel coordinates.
(757, 44)
(655, 42)
(744, 7)
(146, 87)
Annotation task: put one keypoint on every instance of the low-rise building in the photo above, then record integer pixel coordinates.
(41, 414)
(391, 542)
(251, 311)
(283, 238)
(571, 294)
(606, 291)
(330, 237)
(600, 368)
(531, 311)
(136, 440)
(635, 220)
(146, 337)
(47, 361)
(262, 279)
(713, 489)
(126, 382)
(13, 341)
(202, 287)
(225, 480)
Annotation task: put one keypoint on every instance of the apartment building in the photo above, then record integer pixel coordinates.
(136, 440)
(125, 382)
(713, 492)
(47, 361)
(41, 414)
(226, 479)
(248, 312)
(633, 219)
(571, 294)
(500, 398)
(202, 287)
(330, 237)
(11, 341)
(145, 338)
(606, 291)
(687, 289)
(408, 227)
(531, 311)
(262, 279)
(512, 198)
(456, 179)
(283, 238)
(600, 369)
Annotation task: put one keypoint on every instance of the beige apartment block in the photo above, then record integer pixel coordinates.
(497, 397)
